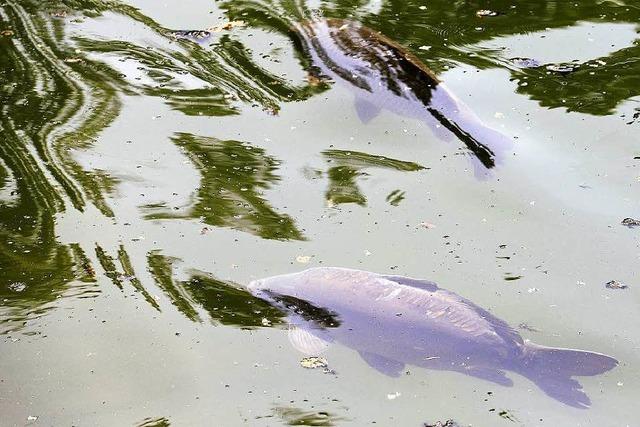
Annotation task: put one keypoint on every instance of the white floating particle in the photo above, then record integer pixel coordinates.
(303, 259)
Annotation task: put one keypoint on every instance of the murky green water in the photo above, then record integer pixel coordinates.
(144, 179)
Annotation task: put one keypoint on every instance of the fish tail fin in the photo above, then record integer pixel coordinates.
(551, 369)
(566, 362)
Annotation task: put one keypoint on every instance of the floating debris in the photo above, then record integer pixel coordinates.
(6, 33)
(614, 284)
(427, 225)
(424, 47)
(303, 259)
(630, 222)
(525, 62)
(562, 68)
(191, 34)
(448, 423)
(314, 80)
(17, 286)
(507, 416)
(314, 362)
(482, 13)
(395, 197)
(272, 110)
(227, 26)
(298, 417)
(73, 60)
(527, 327)
(154, 422)
(394, 396)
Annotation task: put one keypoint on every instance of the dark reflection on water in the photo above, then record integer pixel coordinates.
(55, 100)
(595, 87)
(122, 273)
(61, 86)
(234, 175)
(447, 28)
(348, 166)
(225, 303)
(161, 268)
(37, 96)
(58, 92)
(201, 297)
(229, 305)
(154, 422)
(297, 417)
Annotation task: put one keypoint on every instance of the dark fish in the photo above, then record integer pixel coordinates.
(384, 75)
(392, 321)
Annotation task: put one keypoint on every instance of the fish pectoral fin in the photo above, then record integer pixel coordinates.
(389, 367)
(494, 375)
(366, 110)
(307, 342)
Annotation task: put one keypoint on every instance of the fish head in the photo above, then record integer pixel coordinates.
(294, 294)
(267, 288)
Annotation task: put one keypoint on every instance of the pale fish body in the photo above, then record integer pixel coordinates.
(393, 321)
(384, 75)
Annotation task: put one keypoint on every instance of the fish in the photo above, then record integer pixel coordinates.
(395, 321)
(384, 75)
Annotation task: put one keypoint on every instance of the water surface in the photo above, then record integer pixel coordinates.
(144, 179)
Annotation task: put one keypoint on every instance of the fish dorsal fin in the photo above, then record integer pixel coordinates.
(306, 342)
(366, 110)
(389, 367)
(414, 283)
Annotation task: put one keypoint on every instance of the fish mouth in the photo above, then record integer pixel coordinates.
(256, 287)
